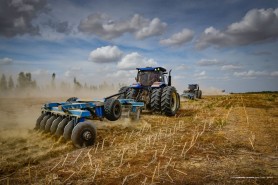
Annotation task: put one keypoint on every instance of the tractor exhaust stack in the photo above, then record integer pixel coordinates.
(170, 78)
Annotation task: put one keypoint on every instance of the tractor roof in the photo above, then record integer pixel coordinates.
(152, 69)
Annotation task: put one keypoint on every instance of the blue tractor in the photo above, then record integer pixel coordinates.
(153, 87)
(193, 92)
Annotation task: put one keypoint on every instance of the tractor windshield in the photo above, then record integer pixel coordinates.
(147, 78)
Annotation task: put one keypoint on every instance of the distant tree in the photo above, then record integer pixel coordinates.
(3, 83)
(53, 76)
(25, 81)
(85, 86)
(53, 81)
(11, 83)
(77, 85)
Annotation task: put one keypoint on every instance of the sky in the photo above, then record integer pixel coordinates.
(220, 44)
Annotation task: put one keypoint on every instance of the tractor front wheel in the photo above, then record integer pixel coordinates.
(170, 101)
(124, 91)
(131, 93)
(156, 100)
(83, 134)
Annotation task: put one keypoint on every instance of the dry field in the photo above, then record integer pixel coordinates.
(229, 139)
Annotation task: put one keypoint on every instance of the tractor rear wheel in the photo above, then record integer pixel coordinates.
(68, 130)
(169, 101)
(84, 134)
(178, 101)
(61, 126)
(112, 109)
(123, 89)
(200, 94)
(156, 100)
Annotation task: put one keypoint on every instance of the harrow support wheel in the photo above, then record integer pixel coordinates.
(39, 121)
(43, 122)
(49, 122)
(83, 134)
(68, 130)
(112, 109)
(61, 126)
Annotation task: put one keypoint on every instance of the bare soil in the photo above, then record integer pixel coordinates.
(228, 139)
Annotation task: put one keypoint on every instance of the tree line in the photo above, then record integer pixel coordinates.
(24, 81)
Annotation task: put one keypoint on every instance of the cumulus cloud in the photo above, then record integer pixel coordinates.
(16, 16)
(209, 62)
(106, 54)
(230, 67)
(6, 61)
(177, 39)
(256, 26)
(133, 60)
(106, 28)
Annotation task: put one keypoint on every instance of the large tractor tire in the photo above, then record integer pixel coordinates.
(156, 100)
(169, 101)
(123, 89)
(49, 122)
(61, 126)
(72, 99)
(178, 101)
(84, 134)
(112, 109)
(40, 118)
(200, 94)
(44, 120)
(68, 130)
(131, 93)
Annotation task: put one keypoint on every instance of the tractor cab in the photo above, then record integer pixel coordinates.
(149, 75)
(192, 87)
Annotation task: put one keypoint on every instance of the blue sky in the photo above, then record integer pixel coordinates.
(220, 44)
